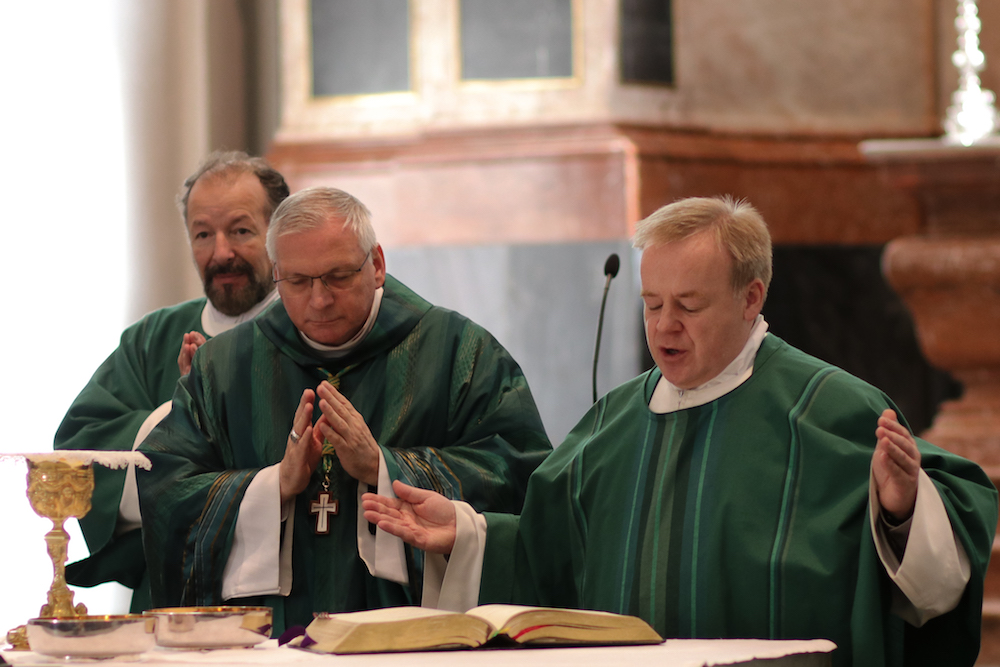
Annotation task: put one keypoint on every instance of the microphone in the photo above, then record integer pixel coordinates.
(611, 267)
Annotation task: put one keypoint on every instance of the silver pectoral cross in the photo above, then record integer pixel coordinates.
(323, 507)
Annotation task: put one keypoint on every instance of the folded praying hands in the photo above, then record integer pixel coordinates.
(340, 426)
(343, 427)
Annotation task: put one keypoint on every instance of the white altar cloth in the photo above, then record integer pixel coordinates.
(674, 652)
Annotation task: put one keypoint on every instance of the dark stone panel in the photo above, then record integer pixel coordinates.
(833, 302)
(360, 46)
(647, 42)
(516, 39)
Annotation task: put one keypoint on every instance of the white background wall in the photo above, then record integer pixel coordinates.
(63, 194)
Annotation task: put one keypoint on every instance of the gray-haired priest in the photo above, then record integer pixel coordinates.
(349, 382)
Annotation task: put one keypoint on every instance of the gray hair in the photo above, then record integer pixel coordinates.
(237, 162)
(313, 207)
(738, 228)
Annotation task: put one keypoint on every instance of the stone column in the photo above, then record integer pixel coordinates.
(949, 277)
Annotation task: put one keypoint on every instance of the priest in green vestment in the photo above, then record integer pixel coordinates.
(349, 382)
(225, 206)
(740, 488)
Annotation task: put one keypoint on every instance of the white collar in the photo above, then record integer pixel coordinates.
(214, 322)
(334, 351)
(668, 398)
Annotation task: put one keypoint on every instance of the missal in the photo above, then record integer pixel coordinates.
(417, 629)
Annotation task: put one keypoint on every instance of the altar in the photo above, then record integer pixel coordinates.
(674, 652)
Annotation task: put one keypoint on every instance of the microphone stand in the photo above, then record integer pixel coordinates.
(610, 271)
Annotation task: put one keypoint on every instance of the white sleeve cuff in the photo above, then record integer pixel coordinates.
(382, 553)
(259, 561)
(935, 568)
(128, 507)
(453, 584)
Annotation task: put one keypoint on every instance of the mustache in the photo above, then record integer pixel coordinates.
(235, 265)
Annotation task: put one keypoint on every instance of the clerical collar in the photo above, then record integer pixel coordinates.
(334, 351)
(214, 322)
(668, 398)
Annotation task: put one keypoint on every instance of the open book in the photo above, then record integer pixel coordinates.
(419, 629)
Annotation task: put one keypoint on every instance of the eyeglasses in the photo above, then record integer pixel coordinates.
(333, 281)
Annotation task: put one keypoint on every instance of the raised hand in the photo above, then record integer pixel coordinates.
(192, 341)
(302, 453)
(422, 518)
(895, 464)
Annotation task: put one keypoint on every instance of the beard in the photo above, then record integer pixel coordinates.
(229, 299)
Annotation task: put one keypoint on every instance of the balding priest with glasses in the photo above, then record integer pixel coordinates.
(348, 383)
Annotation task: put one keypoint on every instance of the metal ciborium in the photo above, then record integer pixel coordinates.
(60, 487)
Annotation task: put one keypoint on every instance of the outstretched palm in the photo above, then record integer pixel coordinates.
(422, 518)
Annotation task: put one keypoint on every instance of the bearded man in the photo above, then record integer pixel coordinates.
(226, 205)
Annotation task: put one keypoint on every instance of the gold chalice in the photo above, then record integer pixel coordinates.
(60, 486)
(58, 490)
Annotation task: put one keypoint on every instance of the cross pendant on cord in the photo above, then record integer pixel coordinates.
(324, 505)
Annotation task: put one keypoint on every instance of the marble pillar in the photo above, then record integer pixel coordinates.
(949, 277)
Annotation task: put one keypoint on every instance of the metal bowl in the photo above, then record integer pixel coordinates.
(92, 636)
(211, 627)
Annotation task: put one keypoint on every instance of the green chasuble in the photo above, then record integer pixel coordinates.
(447, 404)
(745, 517)
(136, 379)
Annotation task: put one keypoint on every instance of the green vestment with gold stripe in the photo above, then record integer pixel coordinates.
(744, 517)
(447, 404)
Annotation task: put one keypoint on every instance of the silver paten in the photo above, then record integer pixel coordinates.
(92, 636)
(211, 627)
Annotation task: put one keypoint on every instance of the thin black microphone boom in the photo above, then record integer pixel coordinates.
(611, 267)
